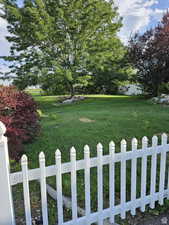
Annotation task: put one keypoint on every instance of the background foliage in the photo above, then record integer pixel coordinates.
(62, 45)
(149, 54)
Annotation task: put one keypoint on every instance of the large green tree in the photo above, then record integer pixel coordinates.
(109, 69)
(61, 38)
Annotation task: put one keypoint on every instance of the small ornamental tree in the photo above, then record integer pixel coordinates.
(18, 111)
(149, 54)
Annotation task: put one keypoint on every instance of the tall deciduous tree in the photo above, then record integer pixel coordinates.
(149, 53)
(60, 37)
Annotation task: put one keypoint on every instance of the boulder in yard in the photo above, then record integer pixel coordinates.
(73, 99)
(67, 101)
(162, 99)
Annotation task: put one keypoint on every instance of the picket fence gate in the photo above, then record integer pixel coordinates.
(7, 180)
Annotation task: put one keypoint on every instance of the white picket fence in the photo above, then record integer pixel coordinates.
(7, 180)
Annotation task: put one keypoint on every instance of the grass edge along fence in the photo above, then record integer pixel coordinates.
(8, 179)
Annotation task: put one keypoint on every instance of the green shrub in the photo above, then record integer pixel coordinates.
(164, 88)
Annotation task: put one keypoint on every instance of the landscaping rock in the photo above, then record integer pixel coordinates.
(164, 220)
(81, 97)
(162, 99)
(67, 101)
(73, 99)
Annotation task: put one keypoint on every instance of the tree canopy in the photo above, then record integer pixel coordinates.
(149, 54)
(63, 39)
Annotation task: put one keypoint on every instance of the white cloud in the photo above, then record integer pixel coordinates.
(4, 44)
(4, 69)
(150, 3)
(4, 50)
(137, 15)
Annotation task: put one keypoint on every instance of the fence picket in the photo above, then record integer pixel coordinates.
(168, 184)
(24, 165)
(123, 180)
(111, 181)
(59, 186)
(26, 175)
(133, 176)
(7, 216)
(43, 188)
(153, 171)
(100, 183)
(87, 184)
(162, 170)
(73, 183)
(143, 174)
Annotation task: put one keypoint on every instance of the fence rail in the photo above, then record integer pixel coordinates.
(26, 175)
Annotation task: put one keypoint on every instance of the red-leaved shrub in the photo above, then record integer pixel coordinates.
(18, 111)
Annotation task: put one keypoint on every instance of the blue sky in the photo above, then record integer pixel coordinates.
(138, 15)
(20, 2)
(163, 4)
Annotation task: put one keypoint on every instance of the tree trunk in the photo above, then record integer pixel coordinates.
(72, 91)
(156, 90)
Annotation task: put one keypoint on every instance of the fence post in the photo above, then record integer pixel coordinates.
(6, 203)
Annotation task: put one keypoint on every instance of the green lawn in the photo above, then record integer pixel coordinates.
(112, 118)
